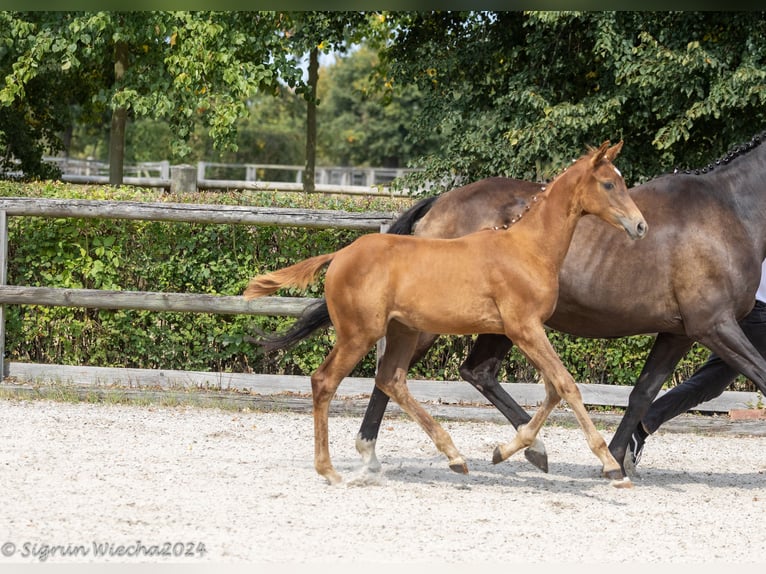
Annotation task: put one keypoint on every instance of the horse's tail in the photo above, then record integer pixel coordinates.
(316, 316)
(300, 275)
(405, 223)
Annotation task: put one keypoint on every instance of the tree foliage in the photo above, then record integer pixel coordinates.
(362, 125)
(521, 93)
(469, 94)
(182, 66)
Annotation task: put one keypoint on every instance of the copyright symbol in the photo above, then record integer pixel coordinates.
(8, 549)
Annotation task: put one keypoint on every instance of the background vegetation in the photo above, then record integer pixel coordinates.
(216, 259)
(459, 95)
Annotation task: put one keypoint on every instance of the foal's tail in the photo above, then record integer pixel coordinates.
(316, 316)
(300, 275)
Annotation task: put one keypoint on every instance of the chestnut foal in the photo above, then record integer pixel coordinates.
(501, 281)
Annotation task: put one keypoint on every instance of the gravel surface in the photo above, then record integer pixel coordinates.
(86, 482)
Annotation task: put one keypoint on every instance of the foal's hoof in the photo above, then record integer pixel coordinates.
(332, 477)
(536, 455)
(497, 456)
(614, 474)
(459, 466)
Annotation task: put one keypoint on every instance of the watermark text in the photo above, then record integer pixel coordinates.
(42, 552)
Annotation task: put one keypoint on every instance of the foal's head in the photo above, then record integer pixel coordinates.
(601, 191)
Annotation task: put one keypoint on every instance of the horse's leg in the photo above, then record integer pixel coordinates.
(538, 349)
(729, 342)
(480, 369)
(667, 350)
(324, 382)
(391, 379)
(367, 436)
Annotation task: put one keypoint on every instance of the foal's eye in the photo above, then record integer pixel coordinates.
(608, 185)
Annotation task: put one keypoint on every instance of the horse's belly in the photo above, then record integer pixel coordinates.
(603, 321)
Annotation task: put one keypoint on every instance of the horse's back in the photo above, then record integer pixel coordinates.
(490, 202)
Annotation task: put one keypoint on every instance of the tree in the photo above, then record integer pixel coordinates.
(522, 93)
(360, 125)
(272, 132)
(174, 66)
(310, 33)
(37, 96)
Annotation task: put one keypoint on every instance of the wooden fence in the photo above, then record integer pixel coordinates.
(177, 212)
(526, 394)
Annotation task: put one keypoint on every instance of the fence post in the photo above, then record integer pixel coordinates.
(183, 179)
(3, 281)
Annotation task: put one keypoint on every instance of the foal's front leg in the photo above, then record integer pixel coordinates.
(527, 434)
(538, 349)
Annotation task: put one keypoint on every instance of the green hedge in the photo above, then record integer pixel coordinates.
(216, 259)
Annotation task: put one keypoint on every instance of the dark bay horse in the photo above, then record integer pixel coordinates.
(502, 281)
(691, 279)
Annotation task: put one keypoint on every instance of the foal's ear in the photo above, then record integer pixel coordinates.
(614, 151)
(600, 153)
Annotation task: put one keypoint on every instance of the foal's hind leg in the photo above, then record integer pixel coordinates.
(391, 379)
(324, 382)
(367, 436)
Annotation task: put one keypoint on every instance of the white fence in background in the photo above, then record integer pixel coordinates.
(214, 175)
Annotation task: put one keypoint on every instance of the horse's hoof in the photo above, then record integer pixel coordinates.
(537, 456)
(366, 448)
(615, 474)
(624, 482)
(629, 465)
(459, 467)
(497, 456)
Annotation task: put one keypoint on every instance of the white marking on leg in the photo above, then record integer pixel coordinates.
(366, 448)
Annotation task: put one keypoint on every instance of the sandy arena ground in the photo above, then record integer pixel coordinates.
(87, 482)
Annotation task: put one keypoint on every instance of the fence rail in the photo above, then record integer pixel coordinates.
(194, 213)
(220, 304)
(151, 301)
(178, 212)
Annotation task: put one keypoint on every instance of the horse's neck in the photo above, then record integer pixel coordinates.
(745, 179)
(550, 223)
